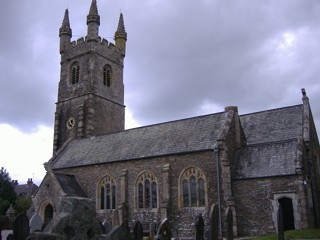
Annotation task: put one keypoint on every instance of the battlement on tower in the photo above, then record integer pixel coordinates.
(102, 41)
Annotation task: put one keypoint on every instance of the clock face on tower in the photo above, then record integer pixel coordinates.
(70, 123)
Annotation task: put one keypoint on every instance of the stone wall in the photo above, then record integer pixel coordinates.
(183, 219)
(256, 200)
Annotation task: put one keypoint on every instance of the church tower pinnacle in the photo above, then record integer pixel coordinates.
(120, 36)
(93, 22)
(91, 90)
(65, 32)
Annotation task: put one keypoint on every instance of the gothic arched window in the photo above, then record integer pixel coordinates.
(75, 69)
(107, 75)
(147, 191)
(192, 190)
(107, 193)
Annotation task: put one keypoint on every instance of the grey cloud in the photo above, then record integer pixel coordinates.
(179, 55)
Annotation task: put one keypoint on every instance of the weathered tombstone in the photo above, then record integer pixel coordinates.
(214, 222)
(138, 231)
(164, 230)
(35, 223)
(21, 227)
(199, 227)
(280, 224)
(116, 218)
(229, 224)
(153, 230)
(121, 232)
(106, 227)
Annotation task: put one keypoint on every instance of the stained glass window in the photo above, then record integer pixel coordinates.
(192, 188)
(147, 196)
(107, 194)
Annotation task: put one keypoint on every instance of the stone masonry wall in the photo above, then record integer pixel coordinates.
(183, 219)
(254, 200)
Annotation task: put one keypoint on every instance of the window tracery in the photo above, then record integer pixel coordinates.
(147, 191)
(107, 193)
(192, 188)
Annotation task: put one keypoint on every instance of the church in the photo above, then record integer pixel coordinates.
(245, 165)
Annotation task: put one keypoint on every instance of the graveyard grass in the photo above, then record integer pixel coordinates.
(294, 234)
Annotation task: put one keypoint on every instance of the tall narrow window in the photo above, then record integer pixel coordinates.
(192, 190)
(107, 75)
(147, 190)
(107, 193)
(75, 70)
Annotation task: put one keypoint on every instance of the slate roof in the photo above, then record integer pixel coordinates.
(265, 160)
(188, 135)
(25, 190)
(271, 143)
(69, 185)
(273, 125)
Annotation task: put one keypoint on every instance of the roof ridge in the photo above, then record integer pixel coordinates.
(271, 110)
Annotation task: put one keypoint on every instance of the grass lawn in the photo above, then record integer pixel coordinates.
(294, 234)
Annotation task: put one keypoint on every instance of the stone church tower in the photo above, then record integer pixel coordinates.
(91, 91)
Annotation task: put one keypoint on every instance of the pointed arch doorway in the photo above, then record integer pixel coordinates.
(288, 215)
(48, 215)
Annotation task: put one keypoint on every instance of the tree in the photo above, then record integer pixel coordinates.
(22, 204)
(7, 193)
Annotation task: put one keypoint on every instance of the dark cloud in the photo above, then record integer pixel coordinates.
(183, 57)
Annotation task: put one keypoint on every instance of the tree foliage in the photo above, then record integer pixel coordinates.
(7, 193)
(22, 204)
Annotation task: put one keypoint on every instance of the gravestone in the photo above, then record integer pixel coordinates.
(35, 223)
(106, 227)
(121, 232)
(280, 224)
(138, 231)
(116, 218)
(214, 222)
(164, 230)
(199, 227)
(229, 224)
(21, 228)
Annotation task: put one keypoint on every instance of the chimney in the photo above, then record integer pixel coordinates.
(30, 183)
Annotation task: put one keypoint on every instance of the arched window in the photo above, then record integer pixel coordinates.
(75, 69)
(147, 191)
(107, 193)
(107, 76)
(192, 190)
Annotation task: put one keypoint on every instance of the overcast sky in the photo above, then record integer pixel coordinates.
(184, 58)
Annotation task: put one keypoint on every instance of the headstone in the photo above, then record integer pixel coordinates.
(164, 230)
(21, 227)
(214, 222)
(116, 218)
(138, 231)
(280, 224)
(106, 227)
(199, 227)
(229, 224)
(121, 232)
(10, 237)
(35, 223)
